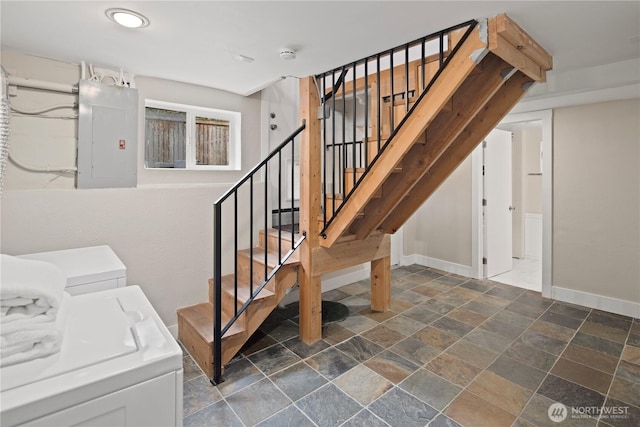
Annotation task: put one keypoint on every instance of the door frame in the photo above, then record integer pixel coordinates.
(546, 117)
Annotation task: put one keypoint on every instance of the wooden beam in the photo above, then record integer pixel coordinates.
(350, 253)
(381, 284)
(310, 193)
(452, 77)
(467, 102)
(519, 38)
(505, 50)
(483, 123)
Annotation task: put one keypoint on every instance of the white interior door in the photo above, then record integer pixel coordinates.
(498, 209)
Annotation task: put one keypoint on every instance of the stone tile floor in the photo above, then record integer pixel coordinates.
(451, 352)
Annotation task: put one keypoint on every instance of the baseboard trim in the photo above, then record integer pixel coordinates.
(449, 267)
(612, 305)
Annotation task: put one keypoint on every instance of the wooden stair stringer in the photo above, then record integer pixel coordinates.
(452, 77)
(491, 114)
(468, 100)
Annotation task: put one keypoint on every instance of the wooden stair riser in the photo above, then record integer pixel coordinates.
(200, 350)
(349, 180)
(273, 239)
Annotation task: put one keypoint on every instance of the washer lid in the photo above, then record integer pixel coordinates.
(96, 329)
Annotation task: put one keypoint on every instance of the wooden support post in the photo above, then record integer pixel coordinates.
(310, 194)
(381, 284)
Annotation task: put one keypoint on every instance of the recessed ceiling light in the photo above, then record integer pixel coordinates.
(127, 18)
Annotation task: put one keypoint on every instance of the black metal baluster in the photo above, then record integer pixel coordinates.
(251, 235)
(392, 124)
(324, 152)
(217, 297)
(406, 78)
(343, 163)
(441, 50)
(333, 147)
(422, 59)
(266, 219)
(293, 186)
(235, 251)
(378, 95)
(280, 205)
(366, 113)
(353, 145)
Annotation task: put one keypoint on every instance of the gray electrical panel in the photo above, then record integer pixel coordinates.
(107, 136)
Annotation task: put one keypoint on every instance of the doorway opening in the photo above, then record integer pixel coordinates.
(515, 229)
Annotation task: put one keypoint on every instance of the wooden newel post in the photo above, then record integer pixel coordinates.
(310, 209)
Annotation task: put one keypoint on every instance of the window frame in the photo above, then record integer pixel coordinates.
(192, 111)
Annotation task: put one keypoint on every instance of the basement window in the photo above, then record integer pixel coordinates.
(187, 137)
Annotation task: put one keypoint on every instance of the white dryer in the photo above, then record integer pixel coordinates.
(118, 366)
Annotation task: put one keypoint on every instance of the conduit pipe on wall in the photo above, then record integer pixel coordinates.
(44, 85)
(44, 110)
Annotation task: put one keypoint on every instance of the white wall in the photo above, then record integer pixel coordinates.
(596, 213)
(162, 230)
(440, 231)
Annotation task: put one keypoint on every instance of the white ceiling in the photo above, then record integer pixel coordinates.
(194, 41)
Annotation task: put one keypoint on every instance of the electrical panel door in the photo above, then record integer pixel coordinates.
(107, 136)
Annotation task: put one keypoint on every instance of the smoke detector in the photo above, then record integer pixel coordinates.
(287, 53)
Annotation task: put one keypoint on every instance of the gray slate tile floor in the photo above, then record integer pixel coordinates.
(451, 352)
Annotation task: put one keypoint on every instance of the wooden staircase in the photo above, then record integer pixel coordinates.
(494, 64)
(492, 69)
(195, 323)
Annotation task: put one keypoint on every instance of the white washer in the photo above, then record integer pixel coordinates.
(118, 366)
(91, 269)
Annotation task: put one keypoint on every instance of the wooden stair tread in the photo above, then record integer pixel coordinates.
(285, 235)
(200, 318)
(244, 293)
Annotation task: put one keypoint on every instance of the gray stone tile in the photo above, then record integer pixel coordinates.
(598, 344)
(363, 384)
(288, 417)
(517, 372)
(415, 350)
(568, 393)
(570, 310)
(452, 326)
(534, 299)
(482, 308)
(444, 303)
(506, 330)
(356, 304)
(537, 413)
(285, 330)
(198, 393)
(258, 341)
(238, 375)
(252, 410)
(358, 323)
(404, 325)
(190, 368)
(443, 421)
(421, 314)
(333, 333)
(414, 412)
(478, 285)
(561, 319)
(315, 406)
(531, 356)
(430, 388)
(383, 336)
(488, 341)
(609, 319)
(218, 414)
(303, 350)
(629, 371)
(365, 418)
(334, 295)
(512, 318)
(527, 310)
(542, 342)
(331, 363)
(505, 291)
(359, 348)
(298, 380)
(273, 359)
(630, 416)
(391, 366)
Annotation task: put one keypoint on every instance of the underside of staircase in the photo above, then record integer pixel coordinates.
(491, 68)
